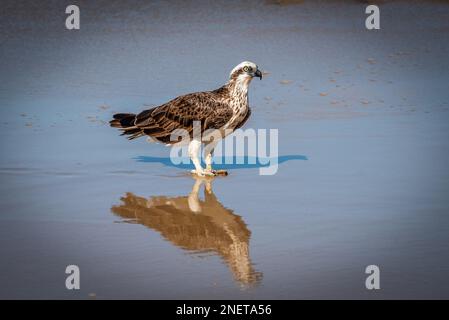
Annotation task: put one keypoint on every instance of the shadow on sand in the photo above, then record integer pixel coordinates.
(226, 163)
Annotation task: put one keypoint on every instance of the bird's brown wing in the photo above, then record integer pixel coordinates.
(181, 112)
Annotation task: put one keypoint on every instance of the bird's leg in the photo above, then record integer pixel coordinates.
(209, 151)
(208, 160)
(194, 148)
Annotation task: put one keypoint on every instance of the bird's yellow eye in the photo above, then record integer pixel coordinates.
(245, 68)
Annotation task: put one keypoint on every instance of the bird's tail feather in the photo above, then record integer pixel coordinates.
(125, 122)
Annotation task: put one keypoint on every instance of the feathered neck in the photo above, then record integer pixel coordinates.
(238, 86)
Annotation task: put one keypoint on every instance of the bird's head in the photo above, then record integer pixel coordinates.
(245, 72)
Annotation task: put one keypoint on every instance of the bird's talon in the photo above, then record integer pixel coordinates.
(210, 173)
(198, 173)
(202, 173)
(220, 172)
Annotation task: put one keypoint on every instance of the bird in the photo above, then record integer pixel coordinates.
(223, 110)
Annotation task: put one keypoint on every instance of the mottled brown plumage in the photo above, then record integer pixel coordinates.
(214, 109)
(224, 109)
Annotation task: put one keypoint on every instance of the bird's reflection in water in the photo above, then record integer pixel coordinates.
(197, 226)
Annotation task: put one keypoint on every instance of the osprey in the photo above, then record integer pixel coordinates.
(224, 109)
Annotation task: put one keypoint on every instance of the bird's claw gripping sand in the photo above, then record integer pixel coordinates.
(210, 173)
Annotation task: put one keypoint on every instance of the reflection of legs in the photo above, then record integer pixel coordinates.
(193, 199)
(208, 187)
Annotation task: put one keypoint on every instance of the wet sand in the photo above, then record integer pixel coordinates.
(363, 128)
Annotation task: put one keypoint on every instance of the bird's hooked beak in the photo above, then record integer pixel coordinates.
(258, 74)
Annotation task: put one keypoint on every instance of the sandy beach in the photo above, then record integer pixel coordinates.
(363, 133)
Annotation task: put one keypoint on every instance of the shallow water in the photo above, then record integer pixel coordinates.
(363, 132)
